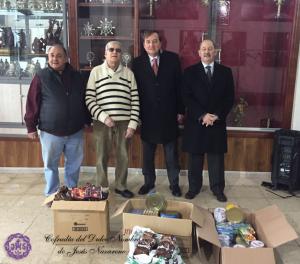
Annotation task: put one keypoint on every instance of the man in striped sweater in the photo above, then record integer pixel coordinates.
(113, 101)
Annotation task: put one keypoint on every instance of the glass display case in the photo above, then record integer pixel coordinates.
(255, 38)
(100, 21)
(27, 29)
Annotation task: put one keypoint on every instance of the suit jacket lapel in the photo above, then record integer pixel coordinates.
(148, 68)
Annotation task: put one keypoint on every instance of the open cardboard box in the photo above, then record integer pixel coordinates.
(182, 228)
(80, 222)
(271, 227)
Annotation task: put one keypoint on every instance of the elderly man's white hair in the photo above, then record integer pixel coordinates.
(113, 42)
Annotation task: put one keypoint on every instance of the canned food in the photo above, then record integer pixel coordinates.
(230, 205)
(224, 240)
(156, 202)
(239, 246)
(220, 215)
(170, 214)
(235, 215)
(256, 244)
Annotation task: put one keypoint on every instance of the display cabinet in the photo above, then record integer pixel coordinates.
(93, 23)
(27, 29)
(258, 40)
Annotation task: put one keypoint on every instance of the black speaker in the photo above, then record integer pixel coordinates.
(286, 160)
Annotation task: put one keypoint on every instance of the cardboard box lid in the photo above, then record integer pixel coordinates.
(120, 209)
(80, 205)
(207, 230)
(49, 198)
(247, 256)
(272, 227)
(196, 212)
(198, 215)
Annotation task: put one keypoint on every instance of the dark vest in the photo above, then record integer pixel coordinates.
(62, 110)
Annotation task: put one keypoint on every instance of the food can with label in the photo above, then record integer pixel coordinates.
(256, 244)
(235, 215)
(220, 215)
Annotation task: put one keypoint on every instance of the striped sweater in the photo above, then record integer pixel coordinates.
(113, 93)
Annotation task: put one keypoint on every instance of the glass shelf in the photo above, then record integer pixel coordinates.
(99, 22)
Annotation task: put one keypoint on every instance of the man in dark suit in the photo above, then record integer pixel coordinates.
(209, 97)
(158, 76)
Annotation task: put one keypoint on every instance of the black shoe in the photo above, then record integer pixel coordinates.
(190, 195)
(176, 190)
(221, 197)
(125, 193)
(49, 204)
(145, 189)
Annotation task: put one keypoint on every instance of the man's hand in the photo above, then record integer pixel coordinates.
(180, 119)
(209, 119)
(109, 122)
(33, 135)
(129, 133)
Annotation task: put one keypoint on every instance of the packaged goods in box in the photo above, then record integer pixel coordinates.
(272, 229)
(181, 228)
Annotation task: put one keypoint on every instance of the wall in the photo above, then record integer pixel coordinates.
(296, 108)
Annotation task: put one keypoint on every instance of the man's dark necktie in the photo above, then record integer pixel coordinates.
(155, 66)
(208, 72)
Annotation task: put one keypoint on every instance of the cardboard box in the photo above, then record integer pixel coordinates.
(80, 222)
(182, 229)
(271, 227)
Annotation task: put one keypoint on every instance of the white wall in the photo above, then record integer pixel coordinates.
(296, 108)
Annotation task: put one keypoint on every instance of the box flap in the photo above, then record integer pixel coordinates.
(198, 215)
(208, 230)
(121, 209)
(49, 198)
(272, 227)
(79, 205)
(247, 256)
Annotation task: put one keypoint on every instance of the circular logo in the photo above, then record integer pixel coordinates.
(17, 246)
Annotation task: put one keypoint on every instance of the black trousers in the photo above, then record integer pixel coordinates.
(215, 164)
(171, 157)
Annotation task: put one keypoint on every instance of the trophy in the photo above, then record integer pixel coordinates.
(106, 27)
(126, 58)
(88, 29)
(90, 56)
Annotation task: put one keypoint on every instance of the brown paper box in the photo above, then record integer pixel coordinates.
(180, 228)
(271, 227)
(80, 222)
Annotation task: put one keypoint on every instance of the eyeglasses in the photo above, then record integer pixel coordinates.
(116, 50)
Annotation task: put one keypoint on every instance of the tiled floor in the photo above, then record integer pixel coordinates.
(21, 212)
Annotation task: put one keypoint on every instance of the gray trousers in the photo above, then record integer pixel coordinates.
(105, 138)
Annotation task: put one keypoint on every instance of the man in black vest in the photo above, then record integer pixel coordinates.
(158, 76)
(209, 97)
(56, 105)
